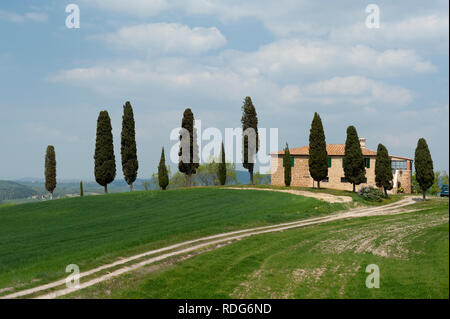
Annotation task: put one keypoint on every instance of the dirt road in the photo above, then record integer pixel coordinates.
(321, 196)
(138, 261)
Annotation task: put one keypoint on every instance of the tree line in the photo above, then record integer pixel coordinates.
(354, 167)
(105, 162)
(354, 162)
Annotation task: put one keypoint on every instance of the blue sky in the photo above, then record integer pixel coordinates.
(292, 57)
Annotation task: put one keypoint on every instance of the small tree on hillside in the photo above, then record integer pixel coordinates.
(130, 163)
(424, 166)
(287, 166)
(222, 167)
(318, 156)
(163, 175)
(250, 143)
(105, 161)
(81, 189)
(50, 170)
(383, 170)
(188, 154)
(354, 165)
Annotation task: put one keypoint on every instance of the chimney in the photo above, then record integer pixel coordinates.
(362, 142)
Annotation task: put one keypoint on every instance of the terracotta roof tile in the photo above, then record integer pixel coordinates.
(332, 149)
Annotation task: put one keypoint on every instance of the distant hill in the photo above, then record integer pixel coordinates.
(12, 190)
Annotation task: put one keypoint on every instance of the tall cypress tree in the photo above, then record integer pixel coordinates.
(383, 169)
(424, 166)
(354, 165)
(250, 143)
(130, 163)
(222, 167)
(318, 156)
(50, 170)
(188, 154)
(287, 166)
(105, 161)
(163, 176)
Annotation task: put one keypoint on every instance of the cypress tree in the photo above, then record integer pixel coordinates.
(188, 154)
(130, 163)
(250, 143)
(222, 167)
(81, 189)
(424, 166)
(163, 176)
(105, 161)
(318, 156)
(50, 170)
(287, 166)
(354, 165)
(383, 170)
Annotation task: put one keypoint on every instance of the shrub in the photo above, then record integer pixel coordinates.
(371, 194)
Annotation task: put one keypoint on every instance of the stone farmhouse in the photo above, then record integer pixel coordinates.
(401, 168)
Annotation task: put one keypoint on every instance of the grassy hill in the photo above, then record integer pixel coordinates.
(38, 240)
(12, 190)
(323, 261)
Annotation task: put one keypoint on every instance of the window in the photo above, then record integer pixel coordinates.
(398, 164)
(325, 180)
(367, 160)
(292, 161)
(329, 161)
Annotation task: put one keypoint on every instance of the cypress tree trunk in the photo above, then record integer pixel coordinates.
(318, 184)
(131, 187)
(354, 187)
(424, 195)
(106, 189)
(251, 177)
(385, 192)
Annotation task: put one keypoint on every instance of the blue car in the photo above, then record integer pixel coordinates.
(444, 190)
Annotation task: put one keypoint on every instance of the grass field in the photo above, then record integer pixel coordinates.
(323, 261)
(38, 240)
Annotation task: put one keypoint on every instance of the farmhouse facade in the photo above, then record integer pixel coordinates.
(401, 168)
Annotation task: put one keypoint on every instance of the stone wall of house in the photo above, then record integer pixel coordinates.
(301, 176)
(405, 181)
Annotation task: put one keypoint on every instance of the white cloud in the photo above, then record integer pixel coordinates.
(157, 38)
(289, 58)
(428, 32)
(20, 18)
(402, 25)
(364, 90)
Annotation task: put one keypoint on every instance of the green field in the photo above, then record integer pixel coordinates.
(323, 261)
(38, 240)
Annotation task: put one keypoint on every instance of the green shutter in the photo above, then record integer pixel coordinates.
(292, 161)
(329, 161)
(367, 162)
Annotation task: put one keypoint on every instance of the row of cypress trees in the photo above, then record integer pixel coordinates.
(104, 159)
(354, 168)
(105, 165)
